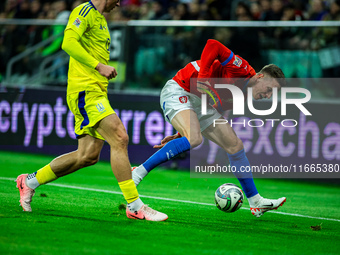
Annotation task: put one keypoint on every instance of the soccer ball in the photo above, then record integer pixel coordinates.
(228, 197)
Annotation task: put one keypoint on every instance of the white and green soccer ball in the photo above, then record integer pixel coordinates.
(229, 197)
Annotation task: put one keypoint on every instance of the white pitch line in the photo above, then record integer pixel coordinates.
(170, 199)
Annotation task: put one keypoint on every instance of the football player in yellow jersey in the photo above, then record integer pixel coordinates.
(87, 41)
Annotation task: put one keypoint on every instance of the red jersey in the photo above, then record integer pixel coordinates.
(217, 61)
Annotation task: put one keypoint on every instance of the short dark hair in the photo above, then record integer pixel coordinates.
(275, 72)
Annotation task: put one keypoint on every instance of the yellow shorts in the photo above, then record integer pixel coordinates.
(89, 108)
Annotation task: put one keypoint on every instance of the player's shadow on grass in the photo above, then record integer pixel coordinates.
(82, 217)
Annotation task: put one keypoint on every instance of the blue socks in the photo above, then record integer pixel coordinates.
(168, 152)
(177, 146)
(238, 160)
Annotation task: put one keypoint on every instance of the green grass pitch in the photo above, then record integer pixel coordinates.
(81, 214)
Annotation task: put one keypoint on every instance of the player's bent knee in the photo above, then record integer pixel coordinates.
(123, 137)
(89, 159)
(235, 147)
(195, 141)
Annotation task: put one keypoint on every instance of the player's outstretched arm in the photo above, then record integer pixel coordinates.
(166, 140)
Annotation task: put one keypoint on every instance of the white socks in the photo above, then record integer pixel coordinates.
(138, 174)
(254, 200)
(32, 181)
(135, 205)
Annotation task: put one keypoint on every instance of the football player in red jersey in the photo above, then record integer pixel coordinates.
(182, 108)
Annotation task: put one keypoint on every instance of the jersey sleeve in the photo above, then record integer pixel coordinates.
(73, 48)
(80, 20)
(213, 50)
(238, 68)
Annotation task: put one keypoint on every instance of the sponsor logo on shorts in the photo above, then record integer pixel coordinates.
(183, 99)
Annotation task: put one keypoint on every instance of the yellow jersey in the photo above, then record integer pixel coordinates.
(95, 39)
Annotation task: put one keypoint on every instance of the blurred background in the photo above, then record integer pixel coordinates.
(150, 41)
(147, 54)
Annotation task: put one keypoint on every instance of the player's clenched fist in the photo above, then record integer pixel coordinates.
(203, 87)
(108, 72)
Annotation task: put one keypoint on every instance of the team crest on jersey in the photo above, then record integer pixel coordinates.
(183, 99)
(237, 62)
(77, 22)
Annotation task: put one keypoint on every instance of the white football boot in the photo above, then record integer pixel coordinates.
(146, 213)
(264, 205)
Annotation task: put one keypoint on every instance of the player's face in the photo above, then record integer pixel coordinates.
(111, 4)
(264, 87)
